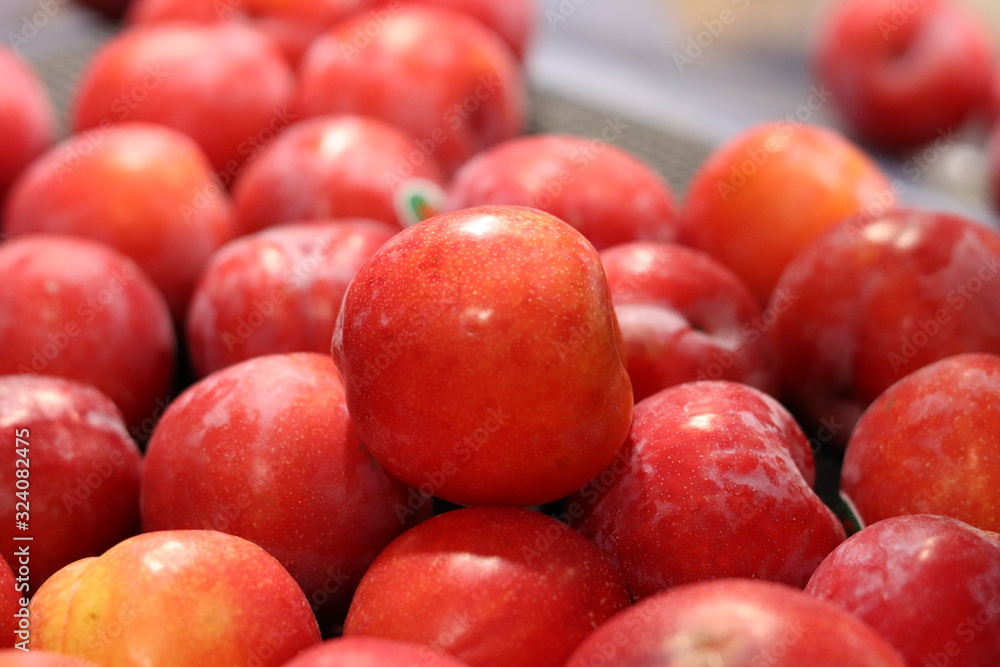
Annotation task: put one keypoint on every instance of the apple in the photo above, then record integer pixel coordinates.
(175, 598)
(481, 358)
(685, 317)
(12, 594)
(734, 623)
(77, 309)
(265, 450)
(81, 469)
(338, 167)
(761, 197)
(277, 291)
(929, 585)
(490, 586)
(292, 24)
(143, 189)
(226, 86)
(370, 652)
(13, 657)
(714, 481)
(901, 74)
(610, 196)
(441, 76)
(930, 444)
(879, 298)
(27, 117)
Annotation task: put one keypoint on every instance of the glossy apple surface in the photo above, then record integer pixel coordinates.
(17, 658)
(734, 623)
(175, 598)
(82, 470)
(226, 86)
(878, 299)
(27, 118)
(490, 586)
(610, 196)
(900, 75)
(372, 652)
(929, 585)
(478, 383)
(685, 317)
(714, 481)
(335, 167)
(930, 445)
(265, 450)
(292, 24)
(80, 310)
(766, 194)
(143, 189)
(457, 98)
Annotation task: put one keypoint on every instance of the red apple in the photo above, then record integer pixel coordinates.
(714, 481)
(763, 196)
(338, 167)
(225, 86)
(900, 74)
(27, 118)
(370, 652)
(81, 494)
(187, 598)
(17, 658)
(878, 298)
(930, 445)
(292, 24)
(439, 75)
(734, 623)
(929, 585)
(80, 310)
(607, 194)
(277, 291)
(265, 450)
(14, 615)
(685, 317)
(477, 382)
(146, 190)
(490, 586)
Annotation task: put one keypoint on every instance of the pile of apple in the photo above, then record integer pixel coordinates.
(566, 420)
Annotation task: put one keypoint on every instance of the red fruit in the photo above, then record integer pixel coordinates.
(607, 194)
(82, 469)
(371, 652)
(929, 585)
(490, 586)
(713, 481)
(480, 383)
(17, 658)
(11, 609)
(77, 309)
(901, 74)
(27, 119)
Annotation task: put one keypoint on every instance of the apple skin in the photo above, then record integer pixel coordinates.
(930, 445)
(83, 466)
(192, 598)
(456, 99)
(332, 167)
(900, 75)
(226, 86)
(476, 383)
(766, 194)
(143, 189)
(27, 117)
(685, 317)
(607, 194)
(714, 481)
(292, 24)
(929, 585)
(490, 586)
(877, 299)
(11, 595)
(277, 291)
(77, 309)
(265, 450)
(17, 658)
(734, 623)
(371, 652)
